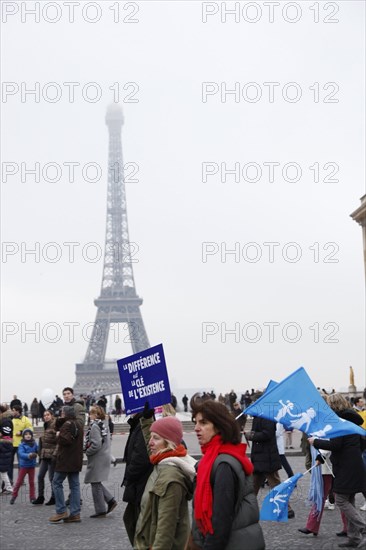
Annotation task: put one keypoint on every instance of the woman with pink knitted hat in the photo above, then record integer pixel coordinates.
(163, 523)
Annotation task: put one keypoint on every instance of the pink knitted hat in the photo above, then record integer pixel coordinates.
(169, 428)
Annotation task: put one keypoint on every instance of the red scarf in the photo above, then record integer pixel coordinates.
(203, 493)
(180, 450)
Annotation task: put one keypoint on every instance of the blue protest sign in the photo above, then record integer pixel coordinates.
(144, 378)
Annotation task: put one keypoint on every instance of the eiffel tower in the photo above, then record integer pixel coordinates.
(118, 301)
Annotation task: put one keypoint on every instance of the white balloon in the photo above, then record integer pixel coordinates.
(47, 397)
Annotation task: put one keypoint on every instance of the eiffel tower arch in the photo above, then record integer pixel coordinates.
(118, 301)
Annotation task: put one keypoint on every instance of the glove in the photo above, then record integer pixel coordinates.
(32, 455)
(147, 412)
(320, 459)
(249, 435)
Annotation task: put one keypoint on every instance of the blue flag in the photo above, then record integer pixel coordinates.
(271, 384)
(316, 489)
(275, 505)
(296, 403)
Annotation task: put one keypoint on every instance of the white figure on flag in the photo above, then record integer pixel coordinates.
(277, 501)
(303, 419)
(286, 408)
(275, 505)
(323, 432)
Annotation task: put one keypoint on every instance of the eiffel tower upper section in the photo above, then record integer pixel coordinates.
(118, 301)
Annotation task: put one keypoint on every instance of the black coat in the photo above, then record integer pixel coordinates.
(6, 454)
(264, 453)
(69, 450)
(348, 468)
(138, 465)
(6, 442)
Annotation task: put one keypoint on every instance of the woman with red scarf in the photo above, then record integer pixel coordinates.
(225, 515)
(163, 523)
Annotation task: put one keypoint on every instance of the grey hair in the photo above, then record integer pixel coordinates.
(69, 411)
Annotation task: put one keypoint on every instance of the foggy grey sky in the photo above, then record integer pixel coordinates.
(299, 103)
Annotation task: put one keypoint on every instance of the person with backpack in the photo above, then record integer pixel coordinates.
(69, 462)
(97, 447)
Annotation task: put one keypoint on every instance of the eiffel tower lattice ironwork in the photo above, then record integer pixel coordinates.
(118, 301)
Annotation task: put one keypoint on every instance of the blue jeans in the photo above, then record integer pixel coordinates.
(58, 489)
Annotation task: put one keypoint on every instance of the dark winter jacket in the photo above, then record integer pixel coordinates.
(264, 453)
(138, 465)
(69, 451)
(48, 441)
(80, 411)
(6, 441)
(346, 458)
(6, 453)
(235, 513)
(24, 449)
(34, 409)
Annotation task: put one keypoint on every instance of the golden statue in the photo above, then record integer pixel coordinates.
(351, 377)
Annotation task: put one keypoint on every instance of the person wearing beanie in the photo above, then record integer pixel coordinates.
(163, 522)
(169, 428)
(27, 456)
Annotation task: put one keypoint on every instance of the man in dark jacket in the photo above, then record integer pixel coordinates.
(137, 472)
(69, 462)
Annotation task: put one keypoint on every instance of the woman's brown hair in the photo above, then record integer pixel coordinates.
(221, 418)
(98, 411)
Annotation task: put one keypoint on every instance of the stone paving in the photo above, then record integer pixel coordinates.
(25, 526)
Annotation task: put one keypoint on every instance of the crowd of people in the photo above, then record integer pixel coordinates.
(160, 477)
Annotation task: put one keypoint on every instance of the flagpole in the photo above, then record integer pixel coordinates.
(307, 471)
(325, 462)
(327, 465)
